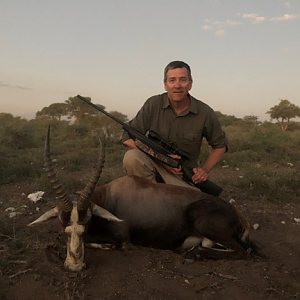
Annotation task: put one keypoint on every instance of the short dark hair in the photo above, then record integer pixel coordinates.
(177, 64)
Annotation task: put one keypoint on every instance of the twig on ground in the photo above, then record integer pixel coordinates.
(5, 236)
(279, 243)
(19, 273)
(17, 261)
(226, 276)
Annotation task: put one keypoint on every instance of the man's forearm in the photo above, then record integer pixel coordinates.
(130, 143)
(213, 159)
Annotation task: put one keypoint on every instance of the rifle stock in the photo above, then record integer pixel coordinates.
(206, 186)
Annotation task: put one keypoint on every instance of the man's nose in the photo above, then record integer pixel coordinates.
(177, 84)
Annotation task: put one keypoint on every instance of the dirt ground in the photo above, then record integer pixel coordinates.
(27, 272)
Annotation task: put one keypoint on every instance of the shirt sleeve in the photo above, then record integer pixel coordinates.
(213, 132)
(141, 122)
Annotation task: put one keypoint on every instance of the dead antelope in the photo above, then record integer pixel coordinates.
(141, 212)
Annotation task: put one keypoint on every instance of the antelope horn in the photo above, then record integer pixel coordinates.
(83, 202)
(57, 187)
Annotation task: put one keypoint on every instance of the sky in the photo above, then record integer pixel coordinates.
(244, 54)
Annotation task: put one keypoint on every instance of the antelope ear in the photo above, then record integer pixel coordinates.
(103, 213)
(52, 213)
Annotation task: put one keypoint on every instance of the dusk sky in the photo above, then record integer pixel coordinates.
(244, 54)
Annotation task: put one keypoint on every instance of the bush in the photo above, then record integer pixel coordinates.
(269, 184)
(268, 158)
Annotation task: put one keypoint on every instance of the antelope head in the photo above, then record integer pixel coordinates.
(74, 211)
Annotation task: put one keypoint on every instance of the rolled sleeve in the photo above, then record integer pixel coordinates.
(213, 132)
(125, 136)
(141, 122)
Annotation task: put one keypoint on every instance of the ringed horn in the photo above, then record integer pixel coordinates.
(57, 187)
(83, 202)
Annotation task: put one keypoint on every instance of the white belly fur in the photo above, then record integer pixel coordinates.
(193, 241)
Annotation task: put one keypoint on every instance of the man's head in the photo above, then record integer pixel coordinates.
(178, 81)
(177, 64)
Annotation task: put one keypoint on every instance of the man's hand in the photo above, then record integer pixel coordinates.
(175, 171)
(200, 175)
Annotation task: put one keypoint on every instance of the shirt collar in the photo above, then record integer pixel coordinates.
(192, 108)
(166, 101)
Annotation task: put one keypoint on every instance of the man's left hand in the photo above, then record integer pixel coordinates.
(200, 175)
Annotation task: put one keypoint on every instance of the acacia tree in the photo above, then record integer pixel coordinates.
(111, 128)
(283, 112)
(79, 110)
(251, 120)
(53, 111)
(227, 120)
(6, 118)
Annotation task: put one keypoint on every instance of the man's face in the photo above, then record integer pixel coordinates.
(178, 84)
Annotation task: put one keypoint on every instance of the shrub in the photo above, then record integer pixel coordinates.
(75, 147)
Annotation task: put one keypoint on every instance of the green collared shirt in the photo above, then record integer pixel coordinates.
(186, 130)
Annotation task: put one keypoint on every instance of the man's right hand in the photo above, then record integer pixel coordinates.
(174, 171)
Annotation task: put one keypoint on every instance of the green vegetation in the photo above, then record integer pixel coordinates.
(284, 112)
(262, 161)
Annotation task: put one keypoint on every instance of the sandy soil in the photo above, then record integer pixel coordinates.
(30, 271)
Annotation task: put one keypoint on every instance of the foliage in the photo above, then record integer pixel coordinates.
(226, 120)
(111, 129)
(80, 110)
(54, 111)
(262, 161)
(85, 117)
(73, 108)
(265, 142)
(267, 182)
(6, 118)
(268, 159)
(17, 134)
(283, 112)
(251, 120)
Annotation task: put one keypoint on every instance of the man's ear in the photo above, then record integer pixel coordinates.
(165, 85)
(191, 84)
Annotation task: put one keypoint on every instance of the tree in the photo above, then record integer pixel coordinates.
(111, 129)
(283, 112)
(80, 110)
(6, 118)
(227, 120)
(53, 111)
(251, 120)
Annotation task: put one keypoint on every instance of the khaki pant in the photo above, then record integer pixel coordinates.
(140, 164)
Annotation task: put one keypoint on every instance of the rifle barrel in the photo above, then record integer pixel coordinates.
(102, 110)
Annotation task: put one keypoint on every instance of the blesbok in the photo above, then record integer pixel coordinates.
(145, 213)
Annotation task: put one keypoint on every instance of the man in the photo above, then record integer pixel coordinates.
(178, 118)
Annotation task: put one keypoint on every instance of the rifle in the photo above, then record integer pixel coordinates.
(160, 149)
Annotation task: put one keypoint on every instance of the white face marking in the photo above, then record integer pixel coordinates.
(75, 243)
(74, 227)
